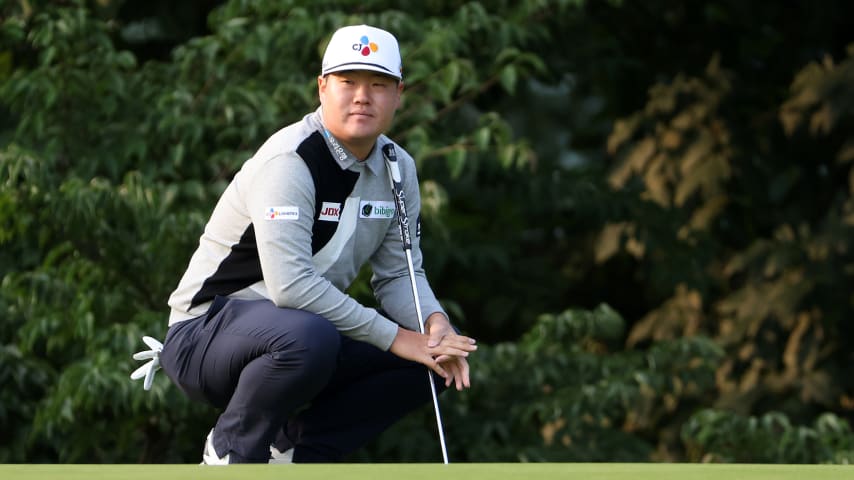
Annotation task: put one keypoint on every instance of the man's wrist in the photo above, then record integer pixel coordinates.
(434, 317)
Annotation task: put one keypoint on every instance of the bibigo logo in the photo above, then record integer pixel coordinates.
(365, 46)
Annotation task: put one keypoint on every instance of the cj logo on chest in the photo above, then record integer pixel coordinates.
(330, 212)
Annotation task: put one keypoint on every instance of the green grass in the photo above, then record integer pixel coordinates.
(461, 471)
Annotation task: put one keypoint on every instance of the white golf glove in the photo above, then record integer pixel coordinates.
(152, 366)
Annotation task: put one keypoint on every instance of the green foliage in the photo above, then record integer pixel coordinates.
(112, 165)
(772, 293)
(571, 154)
(564, 393)
(719, 436)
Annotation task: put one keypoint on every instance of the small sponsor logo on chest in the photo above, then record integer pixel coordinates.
(330, 211)
(281, 213)
(376, 209)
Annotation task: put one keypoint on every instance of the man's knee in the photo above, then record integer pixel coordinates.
(312, 344)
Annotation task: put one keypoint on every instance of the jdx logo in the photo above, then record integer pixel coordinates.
(330, 211)
(365, 46)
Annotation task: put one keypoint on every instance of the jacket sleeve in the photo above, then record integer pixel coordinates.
(280, 199)
(390, 280)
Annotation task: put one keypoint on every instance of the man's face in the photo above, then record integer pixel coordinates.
(358, 106)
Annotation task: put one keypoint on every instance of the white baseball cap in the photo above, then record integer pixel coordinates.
(362, 47)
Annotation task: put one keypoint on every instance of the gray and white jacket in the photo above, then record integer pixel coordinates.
(295, 226)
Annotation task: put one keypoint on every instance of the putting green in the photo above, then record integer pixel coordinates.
(470, 471)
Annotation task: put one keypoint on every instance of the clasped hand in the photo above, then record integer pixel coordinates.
(441, 349)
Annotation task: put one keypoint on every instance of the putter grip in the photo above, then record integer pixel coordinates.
(399, 195)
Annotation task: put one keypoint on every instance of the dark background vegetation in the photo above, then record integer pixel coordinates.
(643, 211)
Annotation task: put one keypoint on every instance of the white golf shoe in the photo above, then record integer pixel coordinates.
(209, 455)
(277, 457)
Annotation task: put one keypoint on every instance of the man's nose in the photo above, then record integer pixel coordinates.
(362, 94)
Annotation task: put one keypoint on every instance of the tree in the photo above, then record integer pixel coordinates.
(114, 166)
(754, 207)
(688, 165)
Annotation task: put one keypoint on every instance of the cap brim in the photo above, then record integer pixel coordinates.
(362, 66)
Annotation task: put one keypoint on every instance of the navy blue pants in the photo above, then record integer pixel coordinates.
(287, 378)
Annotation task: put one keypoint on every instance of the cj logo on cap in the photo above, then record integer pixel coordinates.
(365, 46)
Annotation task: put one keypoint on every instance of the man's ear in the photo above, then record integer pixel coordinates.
(321, 86)
(399, 93)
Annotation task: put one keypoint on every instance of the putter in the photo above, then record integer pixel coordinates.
(403, 227)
